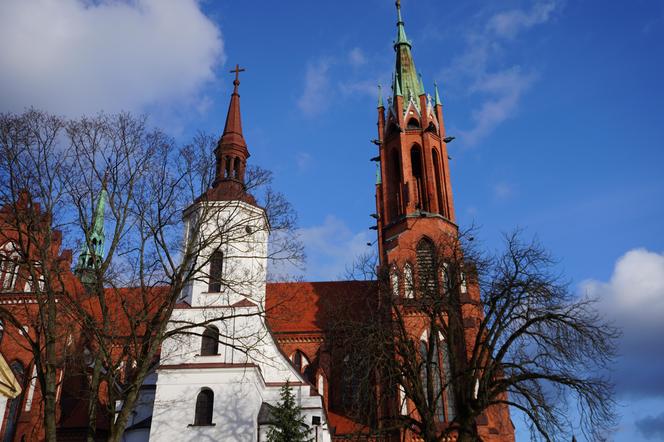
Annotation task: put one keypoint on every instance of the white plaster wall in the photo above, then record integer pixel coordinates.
(224, 227)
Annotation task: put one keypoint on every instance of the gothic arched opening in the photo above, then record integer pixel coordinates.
(439, 191)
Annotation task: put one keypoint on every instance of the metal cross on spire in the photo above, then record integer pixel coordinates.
(237, 71)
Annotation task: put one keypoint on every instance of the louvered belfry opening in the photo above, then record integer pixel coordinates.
(426, 267)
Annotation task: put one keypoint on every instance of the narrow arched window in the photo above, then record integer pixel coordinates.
(418, 177)
(9, 258)
(431, 378)
(236, 168)
(300, 361)
(210, 341)
(227, 171)
(394, 184)
(204, 407)
(449, 388)
(409, 291)
(216, 272)
(439, 183)
(394, 281)
(426, 267)
(14, 405)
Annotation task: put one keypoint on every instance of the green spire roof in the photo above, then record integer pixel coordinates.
(93, 252)
(407, 82)
(437, 97)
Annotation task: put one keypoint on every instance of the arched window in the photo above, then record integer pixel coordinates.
(14, 405)
(216, 272)
(210, 341)
(204, 407)
(227, 171)
(449, 388)
(408, 281)
(445, 278)
(300, 361)
(439, 183)
(9, 258)
(418, 176)
(430, 372)
(236, 168)
(394, 184)
(413, 123)
(394, 281)
(426, 267)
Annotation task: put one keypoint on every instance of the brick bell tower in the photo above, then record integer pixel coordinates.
(413, 189)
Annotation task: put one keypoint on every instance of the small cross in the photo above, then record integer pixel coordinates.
(237, 71)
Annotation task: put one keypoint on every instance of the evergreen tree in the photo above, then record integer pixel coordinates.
(288, 424)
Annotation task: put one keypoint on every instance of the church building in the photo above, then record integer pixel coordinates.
(204, 388)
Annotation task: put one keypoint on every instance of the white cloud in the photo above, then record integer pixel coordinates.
(316, 84)
(76, 56)
(331, 248)
(356, 57)
(634, 298)
(504, 89)
(509, 23)
(503, 190)
(500, 90)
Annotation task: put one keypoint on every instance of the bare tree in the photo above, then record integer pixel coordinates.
(121, 189)
(462, 333)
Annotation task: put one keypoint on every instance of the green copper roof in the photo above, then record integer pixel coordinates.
(437, 97)
(407, 82)
(94, 254)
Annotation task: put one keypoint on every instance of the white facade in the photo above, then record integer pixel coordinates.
(249, 369)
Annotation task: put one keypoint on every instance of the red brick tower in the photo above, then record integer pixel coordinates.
(414, 192)
(418, 238)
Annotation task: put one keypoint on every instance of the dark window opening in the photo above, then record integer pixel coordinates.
(297, 360)
(439, 184)
(216, 270)
(204, 407)
(431, 378)
(418, 176)
(227, 172)
(210, 341)
(236, 168)
(413, 123)
(395, 184)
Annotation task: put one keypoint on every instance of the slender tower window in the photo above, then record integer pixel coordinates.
(216, 271)
(418, 177)
(439, 191)
(408, 281)
(236, 168)
(426, 267)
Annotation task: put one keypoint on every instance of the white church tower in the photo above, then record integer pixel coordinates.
(219, 380)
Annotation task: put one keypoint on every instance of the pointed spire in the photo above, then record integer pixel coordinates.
(437, 97)
(93, 249)
(380, 96)
(231, 155)
(406, 80)
(233, 128)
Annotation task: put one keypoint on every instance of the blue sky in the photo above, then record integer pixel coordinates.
(556, 105)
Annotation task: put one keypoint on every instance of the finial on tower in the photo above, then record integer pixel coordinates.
(237, 71)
